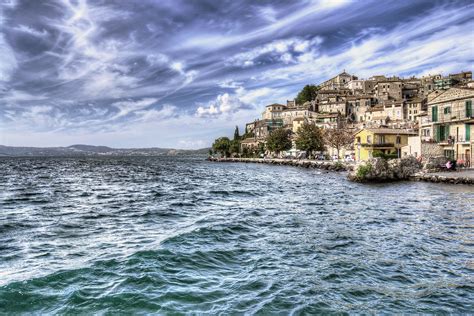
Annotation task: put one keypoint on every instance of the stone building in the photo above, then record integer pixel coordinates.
(337, 82)
(358, 105)
(388, 90)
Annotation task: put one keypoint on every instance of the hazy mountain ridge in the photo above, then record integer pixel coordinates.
(90, 150)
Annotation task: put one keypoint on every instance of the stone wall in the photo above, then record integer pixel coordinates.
(431, 150)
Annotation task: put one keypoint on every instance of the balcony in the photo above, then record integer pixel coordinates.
(451, 140)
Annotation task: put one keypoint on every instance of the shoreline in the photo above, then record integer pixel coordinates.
(456, 178)
(304, 163)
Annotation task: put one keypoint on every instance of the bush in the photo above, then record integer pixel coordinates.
(363, 171)
(379, 154)
(339, 165)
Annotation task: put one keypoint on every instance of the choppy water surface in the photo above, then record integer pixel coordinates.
(181, 235)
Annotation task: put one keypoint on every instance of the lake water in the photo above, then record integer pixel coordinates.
(172, 235)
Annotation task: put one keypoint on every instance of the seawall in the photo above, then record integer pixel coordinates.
(454, 178)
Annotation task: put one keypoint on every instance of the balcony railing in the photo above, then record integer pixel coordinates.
(453, 139)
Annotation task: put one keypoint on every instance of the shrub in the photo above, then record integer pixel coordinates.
(363, 171)
(379, 154)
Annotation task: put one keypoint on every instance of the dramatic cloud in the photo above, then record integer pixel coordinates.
(179, 73)
(223, 105)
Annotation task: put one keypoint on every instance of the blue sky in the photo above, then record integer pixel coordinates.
(181, 73)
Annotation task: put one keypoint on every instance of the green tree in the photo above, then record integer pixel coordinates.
(308, 93)
(279, 140)
(236, 133)
(234, 147)
(222, 146)
(309, 138)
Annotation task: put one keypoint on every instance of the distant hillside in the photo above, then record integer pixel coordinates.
(90, 150)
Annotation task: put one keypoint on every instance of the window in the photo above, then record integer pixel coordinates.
(468, 132)
(358, 140)
(468, 108)
(369, 139)
(434, 113)
(449, 153)
(399, 140)
(447, 110)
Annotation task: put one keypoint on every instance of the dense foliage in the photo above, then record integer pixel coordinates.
(308, 93)
(309, 138)
(222, 146)
(279, 140)
(378, 153)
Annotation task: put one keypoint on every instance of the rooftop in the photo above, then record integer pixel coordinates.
(391, 131)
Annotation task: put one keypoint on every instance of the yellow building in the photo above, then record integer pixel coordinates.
(370, 141)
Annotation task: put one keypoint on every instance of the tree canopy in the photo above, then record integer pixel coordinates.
(308, 93)
(222, 145)
(279, 140)
(309, 138)
(236, 133)
(338, 138)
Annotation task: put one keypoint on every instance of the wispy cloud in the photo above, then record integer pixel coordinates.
(113, 73)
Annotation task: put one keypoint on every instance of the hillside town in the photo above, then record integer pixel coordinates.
(380, 116)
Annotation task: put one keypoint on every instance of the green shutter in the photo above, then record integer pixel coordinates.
(469, 108)
(437, 133)
(468, 132)
(434, 113)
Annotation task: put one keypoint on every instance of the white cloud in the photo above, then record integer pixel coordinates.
(282, 50)
(8, 62)
(31, 31)
(268, 13)
(154, 115)
(128, 106)
(224, 104)
(19, 96)
(409, 48)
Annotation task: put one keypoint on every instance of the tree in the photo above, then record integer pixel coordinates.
(234, 147)
(279, 140)
(236, 133)
(308, 93)
(338, 138)
(222, 146)
(309, 138)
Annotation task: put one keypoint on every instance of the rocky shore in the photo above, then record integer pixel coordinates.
(374, 170)
(305, 163)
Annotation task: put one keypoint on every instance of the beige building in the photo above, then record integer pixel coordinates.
(450, 115)
(414, 106)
